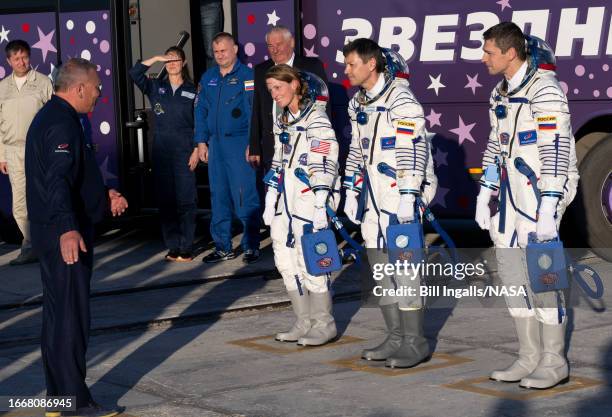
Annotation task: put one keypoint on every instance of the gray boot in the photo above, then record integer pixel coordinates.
(552, 368)
(301, 308)
(528, 331)
(393, 341)
(414, 348)
(324, 328)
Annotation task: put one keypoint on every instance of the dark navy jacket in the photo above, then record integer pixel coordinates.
(223, 107)
(173, 112)
(64, 186)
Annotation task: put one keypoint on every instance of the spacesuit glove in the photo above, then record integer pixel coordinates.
(546, 228)
(270, 208)
(483, 213)
(405, 208)
(350, 206)
(319, 218)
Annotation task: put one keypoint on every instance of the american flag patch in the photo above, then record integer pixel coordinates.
(320, 147)
(249, 85)
(405, 128)
(547, 123)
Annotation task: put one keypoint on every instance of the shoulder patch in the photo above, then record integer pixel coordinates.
(405, 128)
(249, 85)
(547, 123)
(320, 147)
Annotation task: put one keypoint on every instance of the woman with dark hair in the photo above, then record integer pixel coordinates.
(303, 180)
(175, 155)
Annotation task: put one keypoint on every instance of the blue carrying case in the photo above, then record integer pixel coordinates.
(546, 265)
(405, 241)
(320, 251)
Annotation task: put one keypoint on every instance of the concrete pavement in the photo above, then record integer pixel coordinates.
(168, 350)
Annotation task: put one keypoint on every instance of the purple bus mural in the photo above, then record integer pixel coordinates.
(442, 43)
(81, 34)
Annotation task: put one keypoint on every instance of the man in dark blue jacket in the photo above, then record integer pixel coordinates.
(222, 115)
(65, 197)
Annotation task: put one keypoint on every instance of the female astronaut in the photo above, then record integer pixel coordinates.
(305, 144)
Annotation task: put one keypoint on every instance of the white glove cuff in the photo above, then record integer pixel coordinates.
(548, 205)
(271, 196)
(321, 198)
(407, 198)
(485, 194)
(352, 193)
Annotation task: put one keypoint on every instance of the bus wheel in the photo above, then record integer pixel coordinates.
(593, 206)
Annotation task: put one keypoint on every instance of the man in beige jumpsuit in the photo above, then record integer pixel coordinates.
(22, 94)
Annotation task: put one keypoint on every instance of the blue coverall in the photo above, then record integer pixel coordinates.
(222, 115)
(173, 144)
(65, 192)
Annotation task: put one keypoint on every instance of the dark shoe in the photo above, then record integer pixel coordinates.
(185, 256)
(25, 257)
(250, 256)
(172, 255)
(218, 256)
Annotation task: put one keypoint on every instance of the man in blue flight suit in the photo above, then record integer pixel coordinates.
(66, 196)
(222, 115)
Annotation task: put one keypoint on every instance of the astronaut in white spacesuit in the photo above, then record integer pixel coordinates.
(304, 139)
(530, 144)
(388, 125)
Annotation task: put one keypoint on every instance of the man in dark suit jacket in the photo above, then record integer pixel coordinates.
(281, 46)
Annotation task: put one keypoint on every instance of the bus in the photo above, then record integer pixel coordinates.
(441, 41)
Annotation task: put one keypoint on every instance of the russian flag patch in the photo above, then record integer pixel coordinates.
(249, 85)
(405, 128)
(547, 123)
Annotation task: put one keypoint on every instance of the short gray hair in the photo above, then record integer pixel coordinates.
(279, 29)
(72, 72)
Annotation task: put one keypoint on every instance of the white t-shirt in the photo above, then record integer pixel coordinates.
(20, 81)
(517, 78)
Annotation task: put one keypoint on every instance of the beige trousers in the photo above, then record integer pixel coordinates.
(15, 159)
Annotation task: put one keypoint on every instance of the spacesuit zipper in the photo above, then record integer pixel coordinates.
(294, 150)
(218, 101)
(374, 139)
(376, 127)
(514, 131)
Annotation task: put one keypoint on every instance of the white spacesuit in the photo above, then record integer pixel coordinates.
(531, 142)
(388, 125)
(310, 144)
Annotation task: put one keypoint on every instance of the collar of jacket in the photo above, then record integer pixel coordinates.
(61, 102)
(30, 76)
(237, 66)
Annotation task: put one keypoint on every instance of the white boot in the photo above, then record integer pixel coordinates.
(552, 368)
(324, 327)
(301, 308)
(528, 331)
